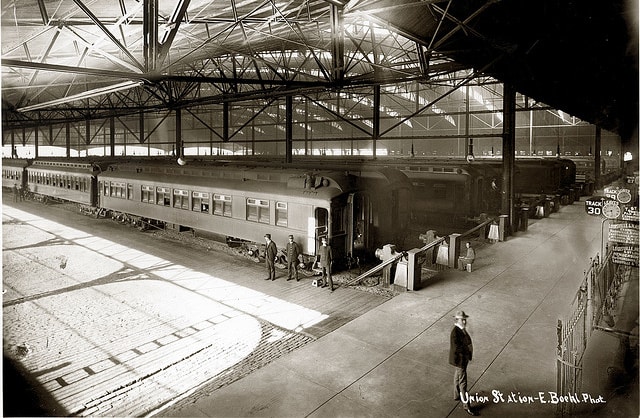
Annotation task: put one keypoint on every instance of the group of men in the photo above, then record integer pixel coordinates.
(325, 259)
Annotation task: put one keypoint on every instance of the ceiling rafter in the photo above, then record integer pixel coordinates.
(108, 33)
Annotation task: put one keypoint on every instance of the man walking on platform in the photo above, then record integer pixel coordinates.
(460, 354)
(326, 258)
(292, 258)
(270, 257)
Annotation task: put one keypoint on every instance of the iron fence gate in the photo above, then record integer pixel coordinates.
(587, 308)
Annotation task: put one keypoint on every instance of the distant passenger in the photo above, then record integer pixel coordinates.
(16, 192)
(326, 258)
(292, 259)
(270, 257)
(468, 259)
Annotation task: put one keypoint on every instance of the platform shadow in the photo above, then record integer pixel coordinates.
(23, 395)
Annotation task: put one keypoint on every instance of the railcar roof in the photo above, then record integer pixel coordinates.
(248, 179)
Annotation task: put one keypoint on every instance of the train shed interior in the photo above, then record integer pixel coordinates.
(318, 78)
(365, 122)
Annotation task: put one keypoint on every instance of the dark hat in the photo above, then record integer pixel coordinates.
(290, 236)
(267, 236)
(461, 315)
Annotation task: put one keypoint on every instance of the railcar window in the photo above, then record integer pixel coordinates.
(148, 195)
(282, 214)
(180, 199)
(129, 191)
(118, 189)
(163, 196)
(200, 202)
(105, 188)
(222, 205)
(258, 210)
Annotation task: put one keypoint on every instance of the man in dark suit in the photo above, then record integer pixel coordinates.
(292, 259)
(270, 257)
(326, 257)
(460, 354)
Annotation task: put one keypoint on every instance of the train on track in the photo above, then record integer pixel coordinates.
(357, 211)
(359, 205)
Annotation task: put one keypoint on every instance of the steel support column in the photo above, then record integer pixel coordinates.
(376, 118)
(141, 138)
(36, 139)
(225, 122)
(68, 139)
(179, 144)
(87, 135)
(289, 129)
(597, 158)
(508, 152)
(13, 144)
(112, 136)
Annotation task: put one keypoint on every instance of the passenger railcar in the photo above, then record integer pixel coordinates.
(14, 172)
(355, 211)
(64, 180)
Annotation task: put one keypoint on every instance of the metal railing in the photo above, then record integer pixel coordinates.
(573, 333)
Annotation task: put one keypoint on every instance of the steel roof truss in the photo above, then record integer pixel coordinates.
(167, 38)
(108, 33)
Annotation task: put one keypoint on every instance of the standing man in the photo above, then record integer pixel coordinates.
(326, 258)
(292, 258)
(460, 354)
(270, 257)
(16, 192)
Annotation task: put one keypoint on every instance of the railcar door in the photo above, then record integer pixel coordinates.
(359, 206)
(93, 191)
(321, 227)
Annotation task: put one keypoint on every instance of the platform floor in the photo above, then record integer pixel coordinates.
(131, 327)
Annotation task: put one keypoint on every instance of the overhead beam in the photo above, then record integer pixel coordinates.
(166, 40)
(108, 33)
(43, 12)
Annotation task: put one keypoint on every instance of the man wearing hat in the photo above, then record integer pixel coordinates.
(460, 354)
(326, 258)
(270, 257)
(292, 258)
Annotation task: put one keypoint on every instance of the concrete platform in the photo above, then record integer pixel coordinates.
(392, 360)
(155, 329)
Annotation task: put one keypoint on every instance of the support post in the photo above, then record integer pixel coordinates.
(36, 139)
(68, 139)
(289, 129)
(179, 143)
(597, 162)
(454, 250)
(376, 118)
(414, 270)
(502, 227)
(225, 122)
(508, 152)
(112, 136)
